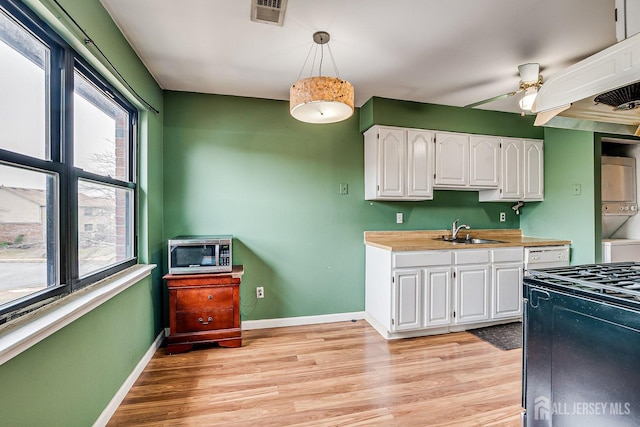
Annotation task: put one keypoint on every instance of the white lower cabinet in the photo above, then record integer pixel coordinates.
(420, 297)
(436, 299)
(472, 296)
(472, 283)
(425, 291)
(506, 283)
(406, 300)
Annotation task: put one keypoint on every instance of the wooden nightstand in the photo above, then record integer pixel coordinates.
(204, 308)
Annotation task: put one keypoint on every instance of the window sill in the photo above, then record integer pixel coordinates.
(26, 331)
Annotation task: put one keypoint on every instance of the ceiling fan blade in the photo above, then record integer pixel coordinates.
(495, 98)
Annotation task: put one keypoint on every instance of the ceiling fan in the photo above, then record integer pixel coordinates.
(530, 82)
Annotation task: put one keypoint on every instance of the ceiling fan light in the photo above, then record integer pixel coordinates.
(321, 100)
(526, 102)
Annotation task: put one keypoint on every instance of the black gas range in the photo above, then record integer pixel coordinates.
(581, 353)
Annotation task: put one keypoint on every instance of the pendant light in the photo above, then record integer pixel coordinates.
(321, 99)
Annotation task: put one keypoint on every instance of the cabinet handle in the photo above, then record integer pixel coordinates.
(203, 322)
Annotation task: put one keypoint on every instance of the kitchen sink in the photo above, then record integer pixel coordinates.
(468, 241)
(485, 241)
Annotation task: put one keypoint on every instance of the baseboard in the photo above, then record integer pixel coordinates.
(111, 408)
(302, 320)
(382, 330)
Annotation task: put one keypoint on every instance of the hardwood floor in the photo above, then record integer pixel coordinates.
(338, 374)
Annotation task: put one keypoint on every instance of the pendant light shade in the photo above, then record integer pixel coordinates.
(321, 99)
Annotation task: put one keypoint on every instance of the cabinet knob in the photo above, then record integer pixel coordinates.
(210, 297)
(203, 322)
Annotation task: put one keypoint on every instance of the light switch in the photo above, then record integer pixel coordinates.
(344, 188)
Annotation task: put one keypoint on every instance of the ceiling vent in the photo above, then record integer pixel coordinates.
(268, 11)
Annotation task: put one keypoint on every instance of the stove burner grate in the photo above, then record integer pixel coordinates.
(618, 280)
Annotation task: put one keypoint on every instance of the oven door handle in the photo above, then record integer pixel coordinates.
(535, 295)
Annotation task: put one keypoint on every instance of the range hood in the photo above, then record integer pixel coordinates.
(600, 93)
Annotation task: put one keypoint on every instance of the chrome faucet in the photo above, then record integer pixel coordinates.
(455, 229)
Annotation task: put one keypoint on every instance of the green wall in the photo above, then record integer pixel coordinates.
(384, 111)
(219, 164)
(243, 166)
(69, 378)
(571, 157)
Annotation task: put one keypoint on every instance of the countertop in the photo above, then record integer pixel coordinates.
(423, 240)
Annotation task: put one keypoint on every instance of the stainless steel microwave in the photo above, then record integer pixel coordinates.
(200, 254)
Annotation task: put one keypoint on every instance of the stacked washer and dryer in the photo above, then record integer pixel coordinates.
(619, 207)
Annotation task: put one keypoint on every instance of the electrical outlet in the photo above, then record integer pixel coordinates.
(503, 217)
(259, 292)
(399, 218)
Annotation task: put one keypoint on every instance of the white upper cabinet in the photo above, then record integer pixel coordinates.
(392, 149)
(398, 164)
(533, 170)
(420, 164)
(512, 169)
(466, 161)
(408, 164)
(484, 164)
(452, 159)
(521, 172)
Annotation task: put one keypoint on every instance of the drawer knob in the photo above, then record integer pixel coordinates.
(210, 297)
(203, 322)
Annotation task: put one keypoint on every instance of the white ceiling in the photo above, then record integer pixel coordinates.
(451, 52)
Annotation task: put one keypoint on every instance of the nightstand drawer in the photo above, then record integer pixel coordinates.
(204, 321)
(212, 298)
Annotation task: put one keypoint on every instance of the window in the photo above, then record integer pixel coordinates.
(67, 175)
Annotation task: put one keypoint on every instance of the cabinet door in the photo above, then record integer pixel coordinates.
(512, 169)
(452, 159)
(484, 161)
(406, 304)
(506, 290)
(472, 293)
(392, 159)
(437, 296)
(419, 164)
(534, 170)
